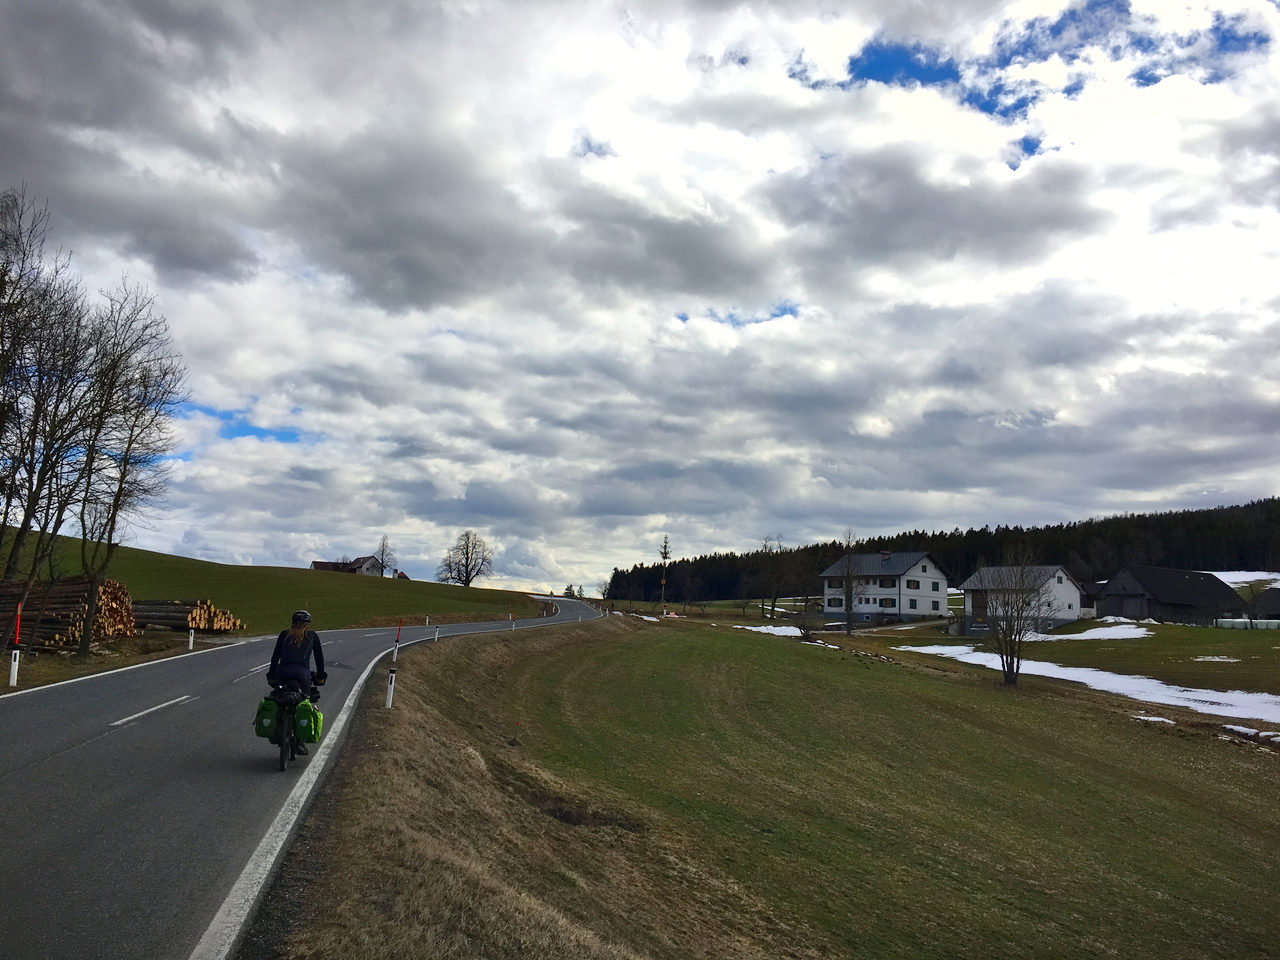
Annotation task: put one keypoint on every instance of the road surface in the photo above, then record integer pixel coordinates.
(134, 801)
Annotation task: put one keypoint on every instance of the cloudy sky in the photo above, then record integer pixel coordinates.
(578, 275)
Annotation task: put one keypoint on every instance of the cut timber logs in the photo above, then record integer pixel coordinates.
(53, 613)
(185, 615)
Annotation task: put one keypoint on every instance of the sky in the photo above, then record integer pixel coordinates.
(581, 275)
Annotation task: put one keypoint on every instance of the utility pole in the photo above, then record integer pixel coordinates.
(665, 554)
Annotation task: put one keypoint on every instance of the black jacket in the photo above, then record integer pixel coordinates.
(286, 652)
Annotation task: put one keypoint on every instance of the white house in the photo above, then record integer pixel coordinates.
(886, 586)
(366, 566)
(1062, 594)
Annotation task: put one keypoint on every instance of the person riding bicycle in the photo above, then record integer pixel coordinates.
(291, 658)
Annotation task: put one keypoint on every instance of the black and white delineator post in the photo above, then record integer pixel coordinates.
(391, 686)
(395, 651)
(191, 639)
(13, 660)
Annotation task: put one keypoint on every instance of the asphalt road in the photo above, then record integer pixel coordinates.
(134, 801)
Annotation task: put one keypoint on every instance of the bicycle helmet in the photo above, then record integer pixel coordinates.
(301, 616)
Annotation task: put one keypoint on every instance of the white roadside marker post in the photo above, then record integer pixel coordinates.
(191, 639)
(391, 686)
(437, 640)
(17, 636)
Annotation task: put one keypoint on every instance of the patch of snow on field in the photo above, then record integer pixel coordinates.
(1154, 719)
(776, 631)
(1123, 630)
(820, 643)
(1230, 703)
(1236, 578)
(1216, 659)
(1243, 731)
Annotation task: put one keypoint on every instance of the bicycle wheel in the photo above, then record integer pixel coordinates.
(285, 719)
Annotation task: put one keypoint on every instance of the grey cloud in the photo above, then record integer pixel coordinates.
(877, 209)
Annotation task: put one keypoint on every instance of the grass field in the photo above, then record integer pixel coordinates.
(628, 789)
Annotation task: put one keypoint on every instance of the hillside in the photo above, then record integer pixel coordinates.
(264, 597)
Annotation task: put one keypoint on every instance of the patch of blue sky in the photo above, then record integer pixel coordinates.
(902, 65)
(234, 424)
(587, 147)
(737, 319)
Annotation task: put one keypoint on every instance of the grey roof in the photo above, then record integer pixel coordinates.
(1192, 588)
(996, 578)
(878, 564)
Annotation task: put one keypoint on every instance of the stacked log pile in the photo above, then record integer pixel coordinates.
(184, 615)
(53, 613)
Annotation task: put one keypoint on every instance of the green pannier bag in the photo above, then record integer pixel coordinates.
(265, 723)
(308, 721)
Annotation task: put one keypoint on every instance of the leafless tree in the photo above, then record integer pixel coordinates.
(855, 586)
(384, 554)
(466, 561)
(137, 382)
(771, 555)
(1019, 602)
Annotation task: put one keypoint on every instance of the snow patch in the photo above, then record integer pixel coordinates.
(1154, 719)
(1216, 659)
(1229, 703)
(776, 631)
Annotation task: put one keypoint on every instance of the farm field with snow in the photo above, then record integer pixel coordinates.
(674, 789)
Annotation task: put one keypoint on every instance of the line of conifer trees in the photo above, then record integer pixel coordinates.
(1245, 537)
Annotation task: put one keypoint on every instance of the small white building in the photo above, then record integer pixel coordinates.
(1061, 593)
(885, 586)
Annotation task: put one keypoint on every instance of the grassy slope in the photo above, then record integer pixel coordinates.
(264, 597)
(738, 795)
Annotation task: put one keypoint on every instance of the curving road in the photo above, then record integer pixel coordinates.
(141, 816)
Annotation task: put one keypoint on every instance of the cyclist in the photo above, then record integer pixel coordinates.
(291, 659)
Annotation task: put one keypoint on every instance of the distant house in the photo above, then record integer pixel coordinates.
(365, 566)
(1062, 594)
(1168, 595)
(886, 586)
(401, 575)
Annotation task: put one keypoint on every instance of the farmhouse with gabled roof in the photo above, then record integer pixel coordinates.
(886, 586)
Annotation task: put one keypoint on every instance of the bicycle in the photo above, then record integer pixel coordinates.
(287, 699)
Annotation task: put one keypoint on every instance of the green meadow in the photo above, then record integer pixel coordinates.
(634, 789)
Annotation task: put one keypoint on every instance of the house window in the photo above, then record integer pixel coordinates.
(836, 602)
(911, 603)
(1059, 579)
(913, 584)
(924, 568)
(1070, 606)
(888, 583)
(935, 586)
(935, 604)
(888, 602)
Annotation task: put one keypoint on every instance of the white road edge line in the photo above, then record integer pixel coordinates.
(167, 703)
(223, 932)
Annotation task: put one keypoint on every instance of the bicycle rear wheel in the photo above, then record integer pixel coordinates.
(285, 731)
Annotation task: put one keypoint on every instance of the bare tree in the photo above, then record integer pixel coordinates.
(1019, 602)
(771, 550)
(138, 381)
(466, 561)
(665, 554)
(855, 585)
(384, 554)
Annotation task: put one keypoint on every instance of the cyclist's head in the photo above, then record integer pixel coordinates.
(301, 616)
